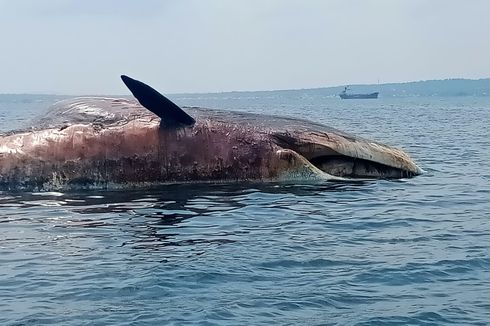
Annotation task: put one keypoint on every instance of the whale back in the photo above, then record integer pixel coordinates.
(89, 110)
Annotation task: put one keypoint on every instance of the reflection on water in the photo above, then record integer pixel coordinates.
(153, 216)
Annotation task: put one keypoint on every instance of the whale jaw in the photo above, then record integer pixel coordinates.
(341, 157)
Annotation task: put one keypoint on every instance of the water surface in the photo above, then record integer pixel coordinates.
(414, 251)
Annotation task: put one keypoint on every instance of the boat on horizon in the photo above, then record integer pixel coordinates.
(343, 95)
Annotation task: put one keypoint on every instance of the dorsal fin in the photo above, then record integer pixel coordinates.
(169, 112)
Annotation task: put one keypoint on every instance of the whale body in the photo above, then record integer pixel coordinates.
(98, 142)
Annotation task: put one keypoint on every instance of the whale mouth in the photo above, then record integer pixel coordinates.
(357, 168)
(339, 156)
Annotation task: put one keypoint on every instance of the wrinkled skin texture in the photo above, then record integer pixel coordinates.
(110, 143)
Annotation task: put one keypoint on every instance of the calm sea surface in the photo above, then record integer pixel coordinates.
(409, 252)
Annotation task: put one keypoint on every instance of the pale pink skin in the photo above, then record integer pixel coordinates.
(102, 143)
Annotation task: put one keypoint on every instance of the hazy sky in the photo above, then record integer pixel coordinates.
(82, 46)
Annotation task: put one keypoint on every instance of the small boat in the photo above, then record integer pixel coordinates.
(343, 95)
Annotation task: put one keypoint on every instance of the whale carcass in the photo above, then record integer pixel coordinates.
(95, 142)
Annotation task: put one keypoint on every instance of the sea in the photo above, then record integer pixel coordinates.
(403, 252)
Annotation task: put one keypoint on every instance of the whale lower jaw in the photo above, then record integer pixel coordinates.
(355, 168)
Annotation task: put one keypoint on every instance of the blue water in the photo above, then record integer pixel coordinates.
(409, 252)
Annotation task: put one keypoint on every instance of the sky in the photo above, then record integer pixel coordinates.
(82, 47)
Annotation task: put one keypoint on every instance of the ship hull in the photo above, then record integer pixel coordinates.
(358, 96)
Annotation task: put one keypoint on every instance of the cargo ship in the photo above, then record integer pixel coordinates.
(345, 96)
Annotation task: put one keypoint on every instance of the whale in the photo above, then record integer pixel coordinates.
(146, 140)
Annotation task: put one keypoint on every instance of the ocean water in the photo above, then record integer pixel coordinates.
(407, 252)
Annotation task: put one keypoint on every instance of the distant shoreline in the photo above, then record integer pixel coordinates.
(436, 87)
